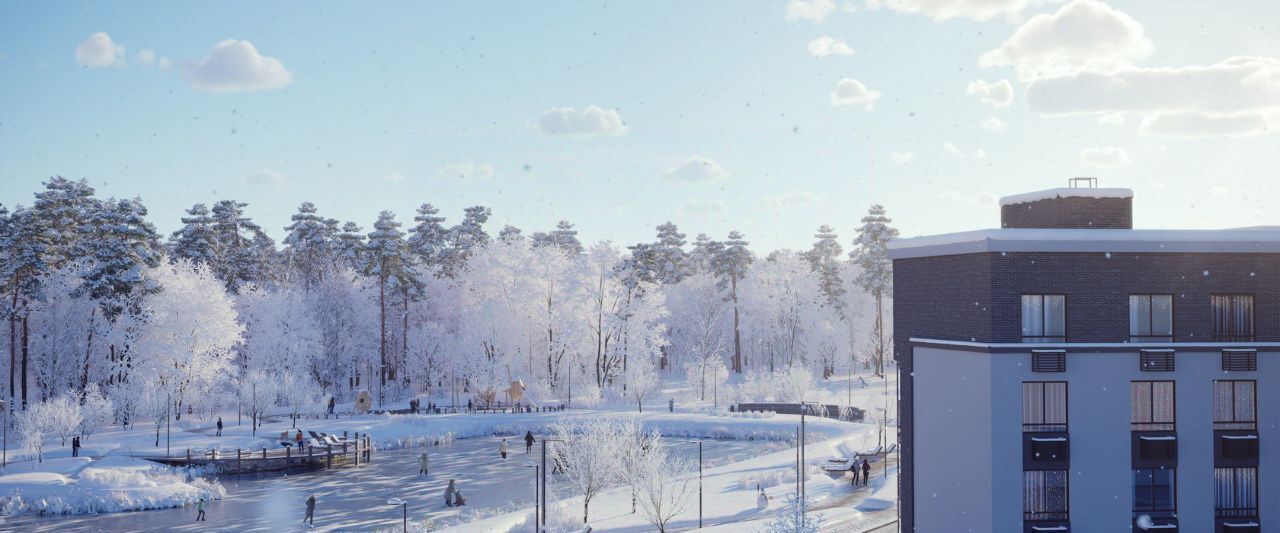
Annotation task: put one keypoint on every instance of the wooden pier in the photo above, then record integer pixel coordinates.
(354, 452)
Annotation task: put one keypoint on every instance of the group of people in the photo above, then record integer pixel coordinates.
(453, 495)
(296, 440)
(865, 468)
(528, 445)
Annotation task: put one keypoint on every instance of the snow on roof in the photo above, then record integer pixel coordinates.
(1066, 192)
(1252, 240)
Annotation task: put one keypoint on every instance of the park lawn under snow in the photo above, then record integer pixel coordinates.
(81, 485)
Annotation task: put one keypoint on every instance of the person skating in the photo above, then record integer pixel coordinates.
(311, 510)
(219, 426)
(528, 442)
(866, 471)
(200, 510)
(448, 494)
(422, 464)
(502, 448)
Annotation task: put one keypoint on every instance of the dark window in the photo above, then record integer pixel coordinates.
(1239, 447)
(1151, 318)
(1046, 451)
(1232, 317)
(1044, 495)
(1044, 406)
(1048, 361)
(1234, 404)
(1155, 490)
(1152, 406)
(1044, 318)
(1156, 449)
(1235, 492)
(1239, 360)
(1156, 361)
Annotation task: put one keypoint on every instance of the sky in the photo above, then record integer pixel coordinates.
(768, 117)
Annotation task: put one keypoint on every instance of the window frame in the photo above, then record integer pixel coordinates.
(1149, 337)
(1252, 423)
(1042, 338)
(1042, 426)
(1173, 489)
(1153, 425)
(1218, 511)
(1253, 318)
(1047, 515)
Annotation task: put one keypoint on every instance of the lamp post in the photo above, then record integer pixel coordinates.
(544, 477)
(699, 442)
(405, 505)
(537, 516)
(4, 455)
(804, 407)
(168, 415)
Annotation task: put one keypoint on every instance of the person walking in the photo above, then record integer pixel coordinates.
(422, 464)
(297, 441)
(671, 405)
(854, 469)
(502, 448)
(866, 471)
(331, 405)
(528, 442)
(448, 494)
(200, 510)
(311, 511)
(75, 446)
(219, 426)
(469, 406)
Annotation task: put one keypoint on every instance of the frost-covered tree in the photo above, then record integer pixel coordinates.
(663, 262)
(64, 209)
(871, 254)
(824, 258)
(563, 237)
(309, 246)
(698, 315)
(428, 238)
(663, 482)
(297, 392)
(61, 354)
(241, 246)
(588, 452)
(155, 401)
(705, 250)
(464, 238)
(96, 409)
(123, 246)
(62, 414)
(510, 233)
(641, 380)
(785, 304)
(388, 261)
(730, 265)
(341, 308)
(259, 390)
(33, 430)
(349, 247)
(793, 518)
(26, 246)
(195, 240)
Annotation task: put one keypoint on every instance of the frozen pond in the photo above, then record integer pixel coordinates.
(355, 498)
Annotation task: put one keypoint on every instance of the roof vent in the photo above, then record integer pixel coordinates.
(1084, 183)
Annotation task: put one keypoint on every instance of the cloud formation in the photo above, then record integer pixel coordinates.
(467, 171)
(815, 11)
(996, 93)
(994, 124)
(591, 121)
(826, 46)
(99, 51)
(696, 169)
(954, 150)
(942, 10)
(1195, 125)
(268, 178)
(789, 199)
(1105, 157)
(703, 208)
(850, 92)
(1083, 35)
(900, 157)
(236, 66)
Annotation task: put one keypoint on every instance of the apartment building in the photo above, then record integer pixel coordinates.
(1066, 372)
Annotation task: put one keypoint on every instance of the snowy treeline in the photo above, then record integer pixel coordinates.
(216, 314)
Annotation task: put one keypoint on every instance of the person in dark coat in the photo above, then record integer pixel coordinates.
(448, 494)
(219, 426)
(331, 405)
(75, 446)
(866, 471)
(469, 406)
(854, 469)
(311, 510)
(528, 442)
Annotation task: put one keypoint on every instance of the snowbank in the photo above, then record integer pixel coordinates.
(884, 493)
(83, 486)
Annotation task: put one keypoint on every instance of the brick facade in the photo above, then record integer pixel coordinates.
(1069, 212)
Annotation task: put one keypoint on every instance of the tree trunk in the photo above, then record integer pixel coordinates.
(879, 336)
(13, 359)
(25, 359)
(737, 340)
(88, 349)
(382, 338)
(404, 336)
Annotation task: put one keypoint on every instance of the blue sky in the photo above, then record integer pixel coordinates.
(715, 115)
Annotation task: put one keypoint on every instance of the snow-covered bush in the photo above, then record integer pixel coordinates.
(792, 518)
(33, 430)
(793, 383)
(62, 416)
(97, 410)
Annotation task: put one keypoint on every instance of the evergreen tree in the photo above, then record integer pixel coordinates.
(25, 244)
(350, 247)
(63, 210)
(871, 254)
(824, 257)
(389, 261)
(705, 250)
(464, 238)
(428, 240)
(241, 246)
(195, 240)
(563, 237)
(123, 245)
(664, 261)
(510, 234)
(730, 265)
(309, 246)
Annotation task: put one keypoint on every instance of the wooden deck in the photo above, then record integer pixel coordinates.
(353, 452)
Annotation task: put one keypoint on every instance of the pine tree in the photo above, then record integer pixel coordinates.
(195, 240)
(705, 250)
(241, 246)
(25, 245)
(824, 257)
(350, 247)
(871, 254)
(63, 210)
(309, 246)
(428, 240)
(389, 261)
(730, 266)
(464, 238)
(671, 259)
(510, 234)
(563, 237)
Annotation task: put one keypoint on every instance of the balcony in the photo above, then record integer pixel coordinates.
(1046, 451)
(1154, 449)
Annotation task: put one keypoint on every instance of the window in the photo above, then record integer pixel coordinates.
(1156, 361)
(1239, 360)
(1234, 405)
(1151, 318)
(1044, 495)
(1044, 406)
(1235, 492)
(1044, 318)
(1048, 360)
(1155, 489)
(1232, 317)
(1151, 406)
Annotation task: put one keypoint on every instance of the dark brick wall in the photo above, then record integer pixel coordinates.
(1070, 212)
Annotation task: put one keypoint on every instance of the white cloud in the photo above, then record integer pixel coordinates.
(1111, 119)
(994, 124)
(852, 92)
(1085, 34)
(696, 169)
(99, 51)
(268, 178)
(789, 199)
(996, 93)
(812, 10)
(825, 46)
(590, 121)
(467, 171)
(1192, 125)
(164, 63)
(703, 207)
(900, 157)
(234, 65)
(954, 150)
(941, 10)
(146, 56)
(1105, 157)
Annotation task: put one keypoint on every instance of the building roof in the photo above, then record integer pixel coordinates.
(1067, 192)
(1264, 239)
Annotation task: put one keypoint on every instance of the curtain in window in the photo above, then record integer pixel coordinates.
(1044, 403)
(1032, 315)
(1162, 315)
(1044, 494)
(1233, 316)
(1055, 316)
(1139, 316)
(1233, 401)
(1235, 491)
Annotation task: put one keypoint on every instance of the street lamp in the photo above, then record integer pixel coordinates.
(699, 442)
(405, 505)
(4, 455)
(536, 469)
(804, 407)
(544, 477)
